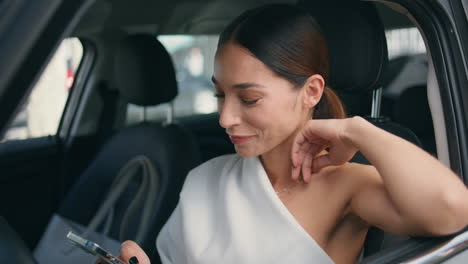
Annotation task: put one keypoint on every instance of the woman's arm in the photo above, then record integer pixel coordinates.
(424, 191)
(409, 191)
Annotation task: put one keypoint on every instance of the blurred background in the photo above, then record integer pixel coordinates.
(193, 59)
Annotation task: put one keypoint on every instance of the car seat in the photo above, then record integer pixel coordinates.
(358, 57)
(402, 72)
(12, 249)
(412, 110)
(144, 75)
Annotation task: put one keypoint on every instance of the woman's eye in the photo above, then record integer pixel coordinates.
(249, 102)
(219, 95)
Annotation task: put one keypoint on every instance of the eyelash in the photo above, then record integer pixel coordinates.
(251, 102)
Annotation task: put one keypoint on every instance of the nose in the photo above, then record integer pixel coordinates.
(229, 114)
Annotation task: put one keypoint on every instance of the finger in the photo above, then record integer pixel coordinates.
(131, 253)
(298, 142)
(304, 151)
(306, 167)
(295, 171)
(321, 162)
(317, 148)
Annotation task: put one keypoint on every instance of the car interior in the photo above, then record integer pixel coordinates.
(133, 93)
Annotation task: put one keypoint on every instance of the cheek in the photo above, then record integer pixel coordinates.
(273, 121)
(258, 118)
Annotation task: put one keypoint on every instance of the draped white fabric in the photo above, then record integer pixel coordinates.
(229, 213)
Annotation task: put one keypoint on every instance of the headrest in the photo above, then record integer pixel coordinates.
(356, 42)
(144, 72)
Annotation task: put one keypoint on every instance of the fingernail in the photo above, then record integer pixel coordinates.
(133, 260)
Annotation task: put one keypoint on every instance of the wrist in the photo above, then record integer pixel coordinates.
(352, 130)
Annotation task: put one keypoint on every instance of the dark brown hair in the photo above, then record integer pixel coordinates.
(289, 42)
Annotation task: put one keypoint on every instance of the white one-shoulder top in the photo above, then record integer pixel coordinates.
(229, 213)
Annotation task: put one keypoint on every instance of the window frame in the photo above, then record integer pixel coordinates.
(75, 99)
(443, 44)
(443, 47)
(47, 22)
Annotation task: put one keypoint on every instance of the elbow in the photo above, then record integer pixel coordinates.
(453, 215)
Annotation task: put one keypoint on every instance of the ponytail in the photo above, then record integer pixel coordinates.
(329, 107)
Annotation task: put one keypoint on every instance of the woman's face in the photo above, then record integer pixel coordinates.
(258, 109)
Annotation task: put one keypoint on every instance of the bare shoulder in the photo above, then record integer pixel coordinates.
(366, 177)
(351, 177)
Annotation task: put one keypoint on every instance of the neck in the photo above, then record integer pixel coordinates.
(277, 163)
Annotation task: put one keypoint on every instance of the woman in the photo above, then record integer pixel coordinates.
(290, 195)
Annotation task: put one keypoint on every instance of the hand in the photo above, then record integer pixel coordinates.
(312, 139)
(131, 253)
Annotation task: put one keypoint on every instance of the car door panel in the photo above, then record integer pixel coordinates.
(447, 249)
(28, 184)
(29, 33)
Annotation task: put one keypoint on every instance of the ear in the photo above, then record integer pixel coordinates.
(313, 90)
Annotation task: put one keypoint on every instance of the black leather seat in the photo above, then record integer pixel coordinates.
(145, 76)
(412, 110)
(13, 250)
(358, 58)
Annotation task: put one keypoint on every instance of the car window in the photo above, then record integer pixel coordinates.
(404, 95)
(407, 60)
(405, 41)
(41, 112)
(193, 57)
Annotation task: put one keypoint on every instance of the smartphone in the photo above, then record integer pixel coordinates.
(93, 248)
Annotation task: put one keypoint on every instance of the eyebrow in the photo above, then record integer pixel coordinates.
(244, 85)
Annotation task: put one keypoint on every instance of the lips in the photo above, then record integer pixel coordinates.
(240, 139)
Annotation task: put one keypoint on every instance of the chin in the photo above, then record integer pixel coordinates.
(246, 153)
